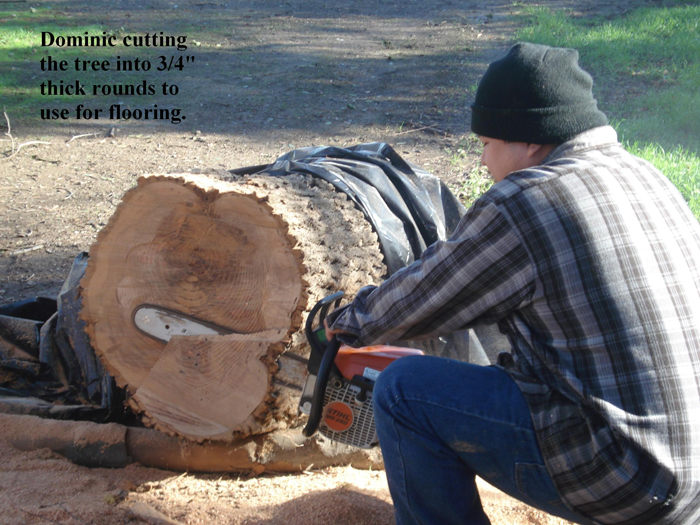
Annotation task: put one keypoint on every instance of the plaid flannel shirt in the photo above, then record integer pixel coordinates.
(590, 263)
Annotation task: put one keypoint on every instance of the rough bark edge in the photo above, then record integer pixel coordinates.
(303, 186)
(302, 199)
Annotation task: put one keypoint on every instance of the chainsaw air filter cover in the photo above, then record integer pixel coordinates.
(347, 414)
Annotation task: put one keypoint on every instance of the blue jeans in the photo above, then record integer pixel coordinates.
(441, 422)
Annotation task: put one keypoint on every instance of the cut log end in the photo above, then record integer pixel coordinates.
(246, 255)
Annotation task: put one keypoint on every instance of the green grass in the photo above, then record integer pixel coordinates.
(680, 166)
(20, 53)
(477, 180)
(646, 67)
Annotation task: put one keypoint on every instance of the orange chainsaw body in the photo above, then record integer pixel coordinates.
(353, 362)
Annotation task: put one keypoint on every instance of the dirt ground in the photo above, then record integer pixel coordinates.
(265, 79)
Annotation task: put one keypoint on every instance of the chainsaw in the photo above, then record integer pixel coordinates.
(337, 393)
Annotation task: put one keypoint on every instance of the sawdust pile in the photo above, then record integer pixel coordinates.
(40, 486)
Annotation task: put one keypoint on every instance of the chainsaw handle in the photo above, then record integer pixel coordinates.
(320, 310)
(327, 355)
(324, 372)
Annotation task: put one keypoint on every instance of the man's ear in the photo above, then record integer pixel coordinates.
(537, 152)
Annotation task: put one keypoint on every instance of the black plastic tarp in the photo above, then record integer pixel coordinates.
(45, 354)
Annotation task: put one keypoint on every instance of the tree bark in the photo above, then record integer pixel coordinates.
(250, 254)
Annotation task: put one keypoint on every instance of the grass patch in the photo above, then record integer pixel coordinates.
(647, 71)
(20, 53)
(680, 166)
(476, 181)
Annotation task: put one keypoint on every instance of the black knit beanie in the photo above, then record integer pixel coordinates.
(536, 94)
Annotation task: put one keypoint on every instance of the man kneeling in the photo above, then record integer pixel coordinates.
(588, 260)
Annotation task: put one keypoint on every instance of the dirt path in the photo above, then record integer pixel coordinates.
(264, 79)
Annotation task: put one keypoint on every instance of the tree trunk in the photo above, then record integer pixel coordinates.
(251, 255)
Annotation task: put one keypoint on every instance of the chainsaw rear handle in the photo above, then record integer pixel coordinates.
(324, 372)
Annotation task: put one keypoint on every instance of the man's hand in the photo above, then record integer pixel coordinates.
(330, 333)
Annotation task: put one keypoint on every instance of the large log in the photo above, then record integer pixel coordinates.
(114, 445)
(251, 255)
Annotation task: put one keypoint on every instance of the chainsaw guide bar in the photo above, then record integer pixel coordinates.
(162, 324)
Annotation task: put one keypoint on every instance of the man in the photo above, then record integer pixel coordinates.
(589, 261)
